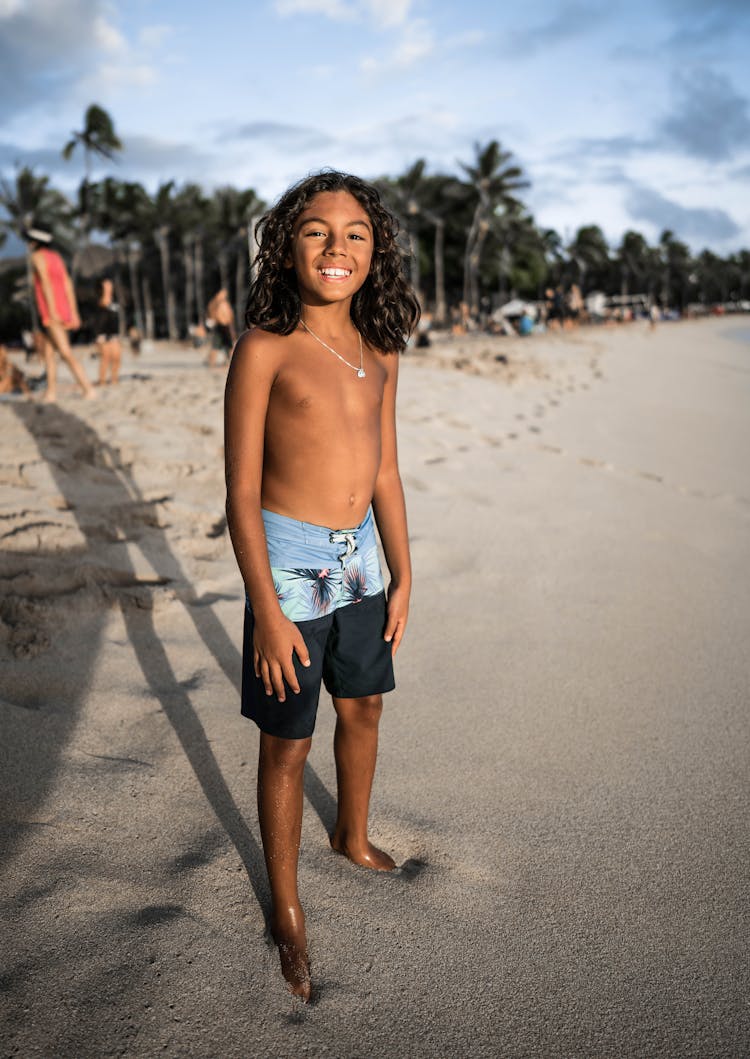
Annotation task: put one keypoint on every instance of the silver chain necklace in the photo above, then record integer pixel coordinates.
(361, 373)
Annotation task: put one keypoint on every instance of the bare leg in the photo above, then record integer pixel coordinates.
(109, 363)
(280, 791)
(114, 371)
(59, 337)
(103, 358)
(50, 365)
(355, 748)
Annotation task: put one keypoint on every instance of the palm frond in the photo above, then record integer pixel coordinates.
(355, 583)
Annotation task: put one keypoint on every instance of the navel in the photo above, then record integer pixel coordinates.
(351, 501)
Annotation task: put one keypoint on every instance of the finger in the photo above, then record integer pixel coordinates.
(256, 663)
(277, 679)
(265, 676)
(302, 653)
(390, 627)
(397, 637)
(290, 676)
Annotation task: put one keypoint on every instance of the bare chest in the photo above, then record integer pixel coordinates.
(327, 397)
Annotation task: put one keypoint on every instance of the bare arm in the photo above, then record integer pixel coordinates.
(390, 514)
(75, 322)
(251, 376)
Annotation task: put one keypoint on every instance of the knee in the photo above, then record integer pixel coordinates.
(288, 755)
(364, 711)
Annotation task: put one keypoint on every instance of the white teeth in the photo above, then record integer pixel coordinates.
(335, 272)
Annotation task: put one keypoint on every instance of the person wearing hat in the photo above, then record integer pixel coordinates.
(58, 310)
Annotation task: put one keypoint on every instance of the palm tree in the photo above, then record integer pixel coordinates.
(124, 211)
(634, 257)
(420, 200)
(164, 221)
(590, 253)
(676, 269)
(191, 211)
(522, 253)
(96, 138)
(233, 216)
(494, 180)
(405, 193)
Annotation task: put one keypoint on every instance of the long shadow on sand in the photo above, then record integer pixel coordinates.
(50, 426)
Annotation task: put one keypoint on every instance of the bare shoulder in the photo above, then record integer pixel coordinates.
(258, 353)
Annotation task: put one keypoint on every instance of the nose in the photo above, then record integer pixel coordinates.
(335, 243)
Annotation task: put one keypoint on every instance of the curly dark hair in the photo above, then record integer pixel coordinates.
(384, 310)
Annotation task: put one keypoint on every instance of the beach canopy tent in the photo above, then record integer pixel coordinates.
(596, 303)
(515, 307)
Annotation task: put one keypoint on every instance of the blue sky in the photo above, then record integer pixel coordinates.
(632, 115)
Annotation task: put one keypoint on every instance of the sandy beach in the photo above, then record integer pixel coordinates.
(563, 766)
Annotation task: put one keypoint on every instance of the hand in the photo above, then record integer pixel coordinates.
(398, 613)
(274, 643)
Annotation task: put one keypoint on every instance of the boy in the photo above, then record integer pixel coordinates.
(310, 445)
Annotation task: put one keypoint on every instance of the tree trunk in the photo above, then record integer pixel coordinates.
(223, 262)
(241, 270)
(119, 288)
(170, 308)
(200, 283)
(471, 239)
(148, 309)
(440, 305)
(134, 289)
(187, 264)
(414, 269)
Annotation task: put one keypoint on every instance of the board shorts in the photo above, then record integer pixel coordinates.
(221, 339)
(105, 324)
(328, 582)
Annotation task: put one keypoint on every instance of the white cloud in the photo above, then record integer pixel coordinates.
(336, 9)
(415, 42)
(384, 14)
(107, 36)
(389, 13)
(151, 37)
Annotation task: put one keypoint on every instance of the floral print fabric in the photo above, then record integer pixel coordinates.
(316, 570)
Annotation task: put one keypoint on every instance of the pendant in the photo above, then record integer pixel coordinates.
(361, 374)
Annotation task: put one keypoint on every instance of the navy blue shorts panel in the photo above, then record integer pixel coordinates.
(347, 653)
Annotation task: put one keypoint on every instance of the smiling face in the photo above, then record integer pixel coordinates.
(332, 247)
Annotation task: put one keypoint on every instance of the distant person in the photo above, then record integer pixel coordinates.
(135, 338)
(12, 379)
(58, 310)
(106, 327)
(525, 324)
(575, 304)
(554, 301)
(223, 334)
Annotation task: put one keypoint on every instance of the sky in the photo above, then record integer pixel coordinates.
(624, 115)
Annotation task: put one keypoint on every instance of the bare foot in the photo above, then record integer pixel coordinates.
(289, 934)
(90, 394)
(49, 398)
(364, 854)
